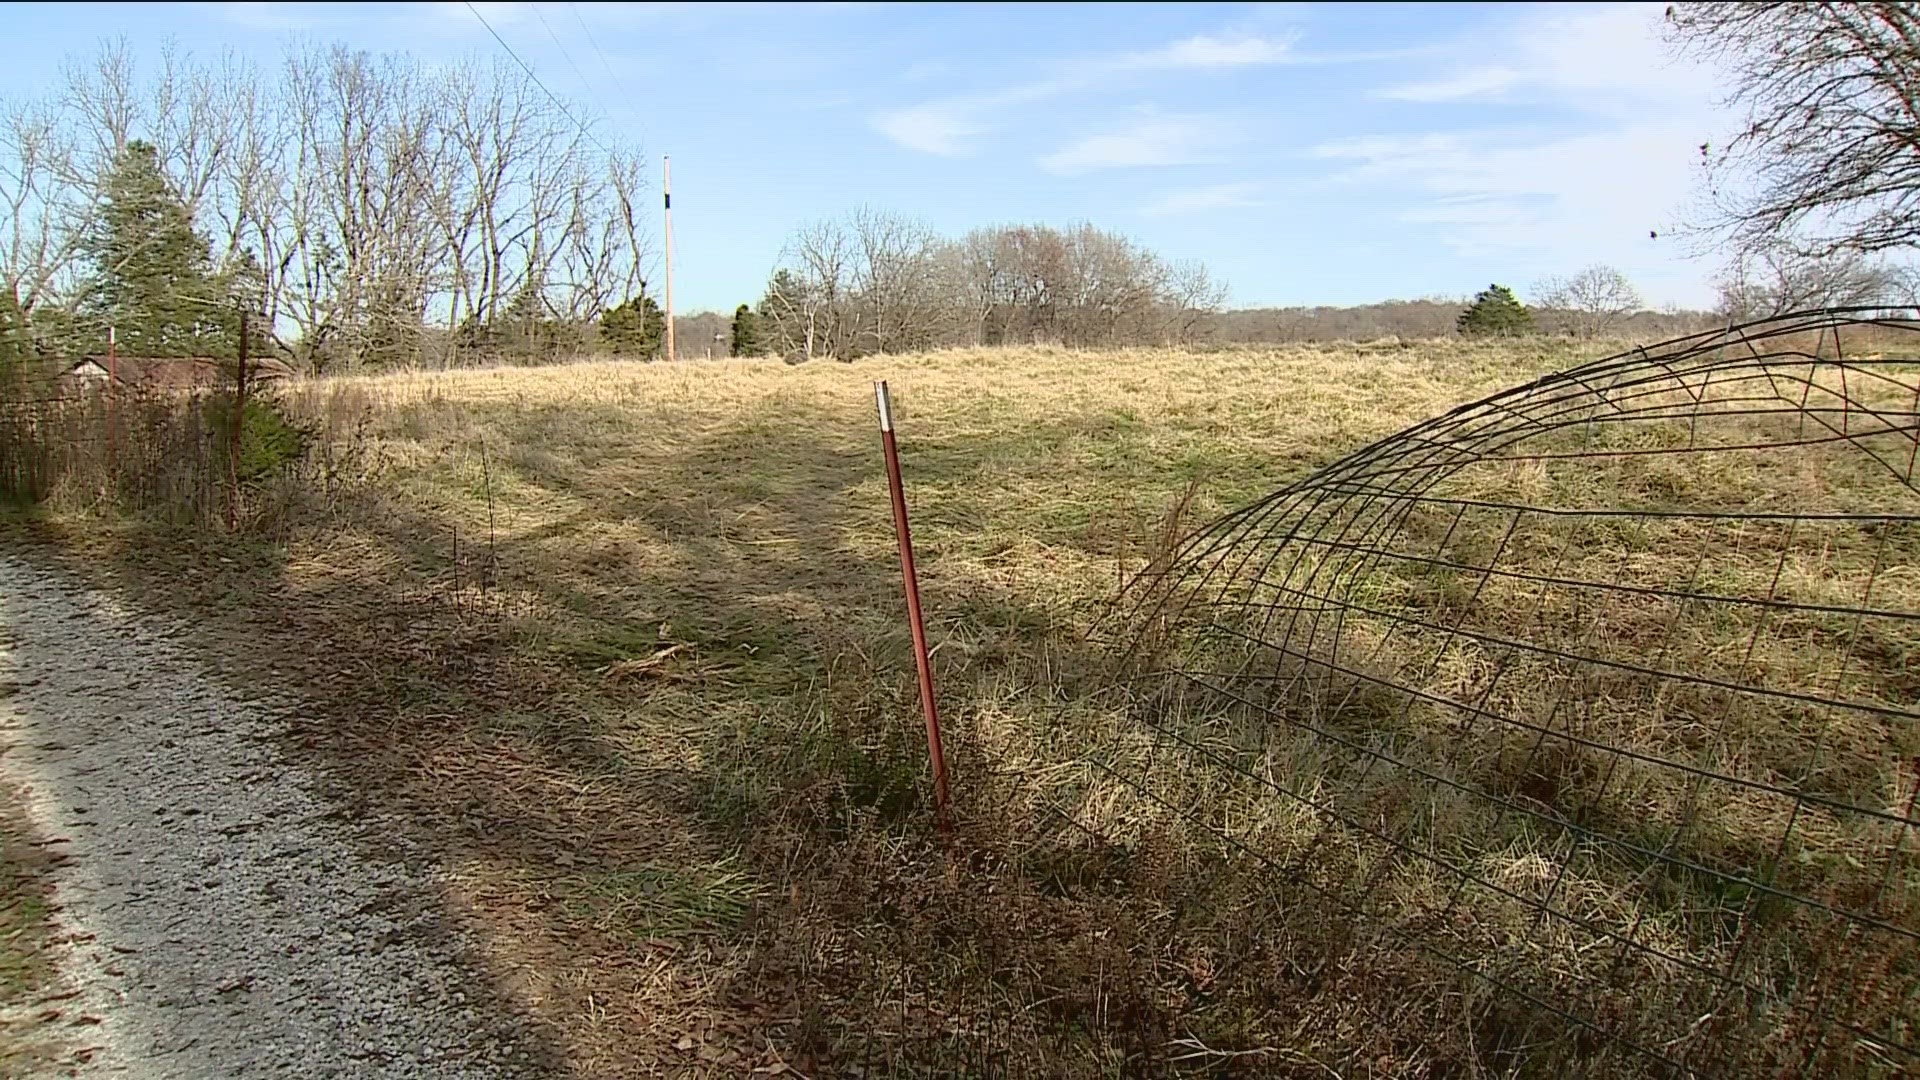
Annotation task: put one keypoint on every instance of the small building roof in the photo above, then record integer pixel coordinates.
(175, 371)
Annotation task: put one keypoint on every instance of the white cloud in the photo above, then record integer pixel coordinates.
(1503, 216)
(1540, 201)
(1614, 161)
(1602, 59)
(1237, 194)
(1467, 85)
(948, 126)
(1159, 140)
(1212, 52)
(930, 129)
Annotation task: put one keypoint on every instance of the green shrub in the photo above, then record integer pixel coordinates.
(1495, 312)
(270, 443)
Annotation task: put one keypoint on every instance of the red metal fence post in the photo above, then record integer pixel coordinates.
(238, 434)
(113, 414)
(922, 662)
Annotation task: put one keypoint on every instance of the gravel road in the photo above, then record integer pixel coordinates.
(226, 920)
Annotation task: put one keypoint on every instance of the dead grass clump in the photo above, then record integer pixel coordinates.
(183, 460)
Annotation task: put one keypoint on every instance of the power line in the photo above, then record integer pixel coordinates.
(627, 97)
(577, 17)
(626, 92)
(561, 105)
(564, 55)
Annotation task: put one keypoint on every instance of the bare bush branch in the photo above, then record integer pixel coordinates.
(1591, 303)
(1830, 150)
(1777, 279)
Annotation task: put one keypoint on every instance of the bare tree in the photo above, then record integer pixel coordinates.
(376, 208)
(44, 205)
(197, 119)
(1191, 297)
(1014, 275)
(897, 299)
(1112, 289)
(383, 209)
(974, 283)
(897, 286)
(103, 101)
(1778, 279)
(1079, 287)
(1591, 303)
(605, 252)
(811, 304)
(1830, 152)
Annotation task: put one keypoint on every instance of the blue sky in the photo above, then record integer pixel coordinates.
(1307, 153)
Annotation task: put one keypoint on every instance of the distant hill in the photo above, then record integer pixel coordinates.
(1410, 319)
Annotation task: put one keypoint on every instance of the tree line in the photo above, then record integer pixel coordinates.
(376, 210)
(873, 282)
(368, 209)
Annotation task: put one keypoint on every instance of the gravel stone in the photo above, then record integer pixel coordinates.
(223, 918)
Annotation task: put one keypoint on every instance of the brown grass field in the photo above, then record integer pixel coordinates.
(627, 644)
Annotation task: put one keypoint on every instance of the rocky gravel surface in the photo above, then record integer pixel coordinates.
(223, 917)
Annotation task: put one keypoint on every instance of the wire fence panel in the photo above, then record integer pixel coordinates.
(1596, 700)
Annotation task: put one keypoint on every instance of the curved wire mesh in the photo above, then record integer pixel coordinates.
(1599, 695)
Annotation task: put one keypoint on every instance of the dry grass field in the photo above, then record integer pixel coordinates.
(626, 642)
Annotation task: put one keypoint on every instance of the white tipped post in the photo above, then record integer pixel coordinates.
(922, 656)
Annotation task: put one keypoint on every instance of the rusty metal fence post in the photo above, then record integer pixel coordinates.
(923, 663)
(239, 428)
(113, 413)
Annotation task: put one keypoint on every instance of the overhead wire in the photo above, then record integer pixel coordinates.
(551, 96)
(627, 95)
(564, 55)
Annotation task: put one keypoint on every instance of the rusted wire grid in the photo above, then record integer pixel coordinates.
(1331, 623)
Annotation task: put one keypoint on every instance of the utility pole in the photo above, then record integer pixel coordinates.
(666, 198)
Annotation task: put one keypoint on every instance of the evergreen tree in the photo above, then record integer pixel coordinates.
(784, 289)
(746, 332)
(153, 279)
(1495, 312)
(635, 328)
(529, 331)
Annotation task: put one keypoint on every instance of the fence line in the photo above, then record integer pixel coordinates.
(172, 451)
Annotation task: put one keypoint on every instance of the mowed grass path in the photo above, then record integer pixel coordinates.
(626, 643)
